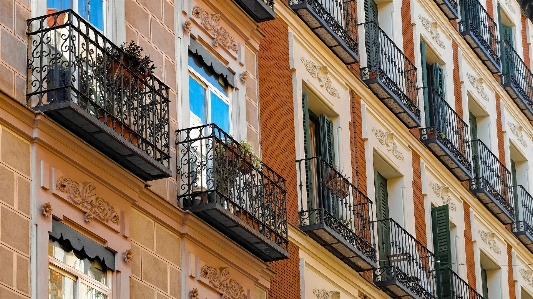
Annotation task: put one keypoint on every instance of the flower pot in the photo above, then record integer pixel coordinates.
(126, 75)
(123, 130)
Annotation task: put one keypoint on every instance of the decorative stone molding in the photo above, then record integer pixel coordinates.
(431, 27)
(477, 83)
(194, 294)
(244, 77)
(509, 4)
(527, 275)
(211, 23)
(314, 70)
(187, 26)
(443, 193)
(46, 209)
(518, 132)
(387, 139)
(220, 280)
(127, 256)
(84, 197)
(488, 238)
(323, 294)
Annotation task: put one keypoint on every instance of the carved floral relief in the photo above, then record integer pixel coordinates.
(221, 281)
(211, 23)
(488, 238)
(387, 139)
(518, 132)
(315, 71)
(527, 275)
(431, 27)
(477, 83)
(84, 197)
(443, 193)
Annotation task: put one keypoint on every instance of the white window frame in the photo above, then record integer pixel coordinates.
(79, 277)
(210, 88)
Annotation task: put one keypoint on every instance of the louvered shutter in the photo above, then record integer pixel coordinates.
(327, 142)
(442, 248)
(307, 145)
(427, 87)
(382, 213)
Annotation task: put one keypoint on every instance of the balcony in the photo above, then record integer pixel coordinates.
(335, 214)
(523, 227)
(516, 79)
(259, 10)
(334, 22)
(492, 183)
(481, 33)
(78, 78)
(456, 287)
(391, 76)
(449, 8)
(448, 137)
(406, 268)
(232, 191)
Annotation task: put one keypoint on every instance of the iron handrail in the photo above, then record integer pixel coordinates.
(524, 210)
(517, 73)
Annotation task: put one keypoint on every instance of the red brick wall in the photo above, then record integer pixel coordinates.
(525, 43)
(510, 275)
(457, 92)
(418, 198)
(499, 131)
(469, 247)
(407, 31)
(278, 140)
(357, 144)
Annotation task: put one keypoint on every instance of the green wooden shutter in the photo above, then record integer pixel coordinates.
(425, 83)
(484, 284)
(506, 42)
(382, 211)
(473, 136)
(516, 190)
(307, 145)
(327, 142)
(437, 90)
(442, 248)
(372, 35)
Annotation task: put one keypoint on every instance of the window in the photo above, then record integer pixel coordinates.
(433, 79)
(74, 275)
(208, 96)
(91, 10)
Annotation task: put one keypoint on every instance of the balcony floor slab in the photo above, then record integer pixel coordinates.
(439, 149)
(493, 205)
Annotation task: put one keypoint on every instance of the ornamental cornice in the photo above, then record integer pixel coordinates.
(211, 23)
(324, 80)
(431, 27)
(220, 280)
(489, 239)
(443, 193)
(387, 139)
(83, 195)
(518, 132)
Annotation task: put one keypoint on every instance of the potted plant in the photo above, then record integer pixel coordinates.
(337, 184)
(247, 151)
(133, 62)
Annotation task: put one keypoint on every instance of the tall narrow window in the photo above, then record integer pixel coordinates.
(208, 96)
(434, 82)
(484, 283)
(506, 41)
(442, 247)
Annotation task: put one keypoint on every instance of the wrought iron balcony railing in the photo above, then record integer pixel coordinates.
(492, 183)
(517, 80)
(336, 214)
(523, 227)
(456, 287)
(82, 80)
(449, 8)
(233, 191)
(406, 267)
(334, 22)
(391, 75)
(259, 10)
(448, 137)
(481, 33)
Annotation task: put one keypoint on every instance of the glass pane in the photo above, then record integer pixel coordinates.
(60, 286)
(220, 112)
(58, 5)
(88, 292)
(96, 13)
(197, 99)
(93, 269)
(207, 73)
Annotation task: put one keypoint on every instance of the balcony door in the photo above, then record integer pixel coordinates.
(506, 43)
(382, 213)
(372, 35)
(320, 158)
(433, 79)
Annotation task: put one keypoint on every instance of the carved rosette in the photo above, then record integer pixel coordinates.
(442, 192)
(387, 139)
(211, 23)
(477, 83)
(187, 26)
(488, 238)
(46, 209)
(244, 77)
(127, 256)
(431, 27)
(84, 197)
(324, 80)
(518, 132)
(194, 294)
(221, 281)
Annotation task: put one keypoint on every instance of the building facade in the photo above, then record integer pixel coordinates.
(266, 149)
